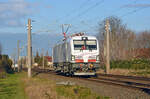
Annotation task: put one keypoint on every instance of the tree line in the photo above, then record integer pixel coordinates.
(125, 44)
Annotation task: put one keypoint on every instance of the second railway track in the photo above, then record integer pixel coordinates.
(139, 83)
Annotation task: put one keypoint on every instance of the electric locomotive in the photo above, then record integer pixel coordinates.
(78, 55)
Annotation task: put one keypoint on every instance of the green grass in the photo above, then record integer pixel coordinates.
(77, 92)
(63, 91)
(135, 64)
(17, 86)
(11, 87)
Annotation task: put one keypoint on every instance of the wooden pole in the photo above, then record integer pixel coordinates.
(29, 49)
(43, 59)
(18, 55)
(107, 48)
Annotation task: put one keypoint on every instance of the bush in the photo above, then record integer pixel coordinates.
(5, 64)
(131, 64)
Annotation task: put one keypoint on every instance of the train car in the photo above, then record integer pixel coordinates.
(78, 55)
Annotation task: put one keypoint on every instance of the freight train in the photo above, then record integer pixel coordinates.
(78, 55)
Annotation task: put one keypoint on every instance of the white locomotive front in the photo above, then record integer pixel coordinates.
(77, 56)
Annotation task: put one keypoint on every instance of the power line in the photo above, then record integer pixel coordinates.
(80, 7)
(88, 9)
(132, 12)
(120, 8)
(86, 2)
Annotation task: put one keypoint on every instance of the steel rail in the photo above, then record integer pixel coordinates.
(122, 83)
(144, 89)
(125, 77)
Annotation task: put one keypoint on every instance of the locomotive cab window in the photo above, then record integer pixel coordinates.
(85, 44)
(91, 45)
(78, 44)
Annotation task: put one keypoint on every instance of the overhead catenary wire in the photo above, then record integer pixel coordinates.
(88, 9)
(142, 6)
(83, 5)
(120, 8)
(96, 4)
(133, 11)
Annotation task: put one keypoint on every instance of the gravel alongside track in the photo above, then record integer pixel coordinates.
(114, 92)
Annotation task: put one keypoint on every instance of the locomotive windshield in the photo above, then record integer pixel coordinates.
(91, 45)
(85, 44)
(78, 44)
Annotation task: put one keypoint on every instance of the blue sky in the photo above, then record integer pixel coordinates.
(83, 15)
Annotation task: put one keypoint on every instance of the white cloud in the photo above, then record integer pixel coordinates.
(136, 5)
(13, 11)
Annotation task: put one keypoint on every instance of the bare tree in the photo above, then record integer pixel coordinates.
(121, 39)
(143, 39)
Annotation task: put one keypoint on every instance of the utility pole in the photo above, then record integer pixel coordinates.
(13, 56)
(33, 58)
(29, 58)
(18, 55)
(43, 59)
(107, 48)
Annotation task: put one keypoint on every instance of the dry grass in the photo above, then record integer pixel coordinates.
(40, 89)
(43, 88)
(120, 71)
(117, 71)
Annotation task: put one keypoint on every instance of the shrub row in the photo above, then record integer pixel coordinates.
(131, 64)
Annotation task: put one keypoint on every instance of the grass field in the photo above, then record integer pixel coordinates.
(11, 87)
(18, 86)
(43, 88)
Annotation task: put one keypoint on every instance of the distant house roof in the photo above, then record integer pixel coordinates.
(49, 58)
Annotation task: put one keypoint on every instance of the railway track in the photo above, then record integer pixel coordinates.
(138, 83)
(125, 77)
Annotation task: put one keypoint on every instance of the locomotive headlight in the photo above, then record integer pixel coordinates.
(97, 57)
(72, 57)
